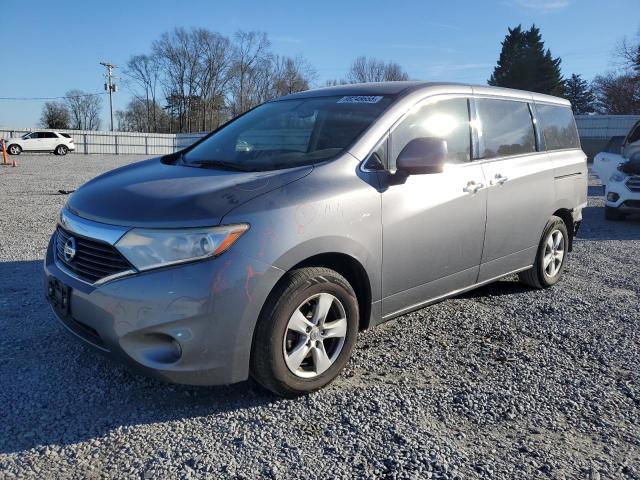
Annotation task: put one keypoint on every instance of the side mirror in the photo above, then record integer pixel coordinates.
(423, 155)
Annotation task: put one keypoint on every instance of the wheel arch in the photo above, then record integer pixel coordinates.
(567, 217)
(347, 266)
(355, 273)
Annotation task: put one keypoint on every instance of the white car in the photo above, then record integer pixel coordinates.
(616, 152)
(42, 141)
(622, 192)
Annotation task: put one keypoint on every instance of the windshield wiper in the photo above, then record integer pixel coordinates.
(217, 163)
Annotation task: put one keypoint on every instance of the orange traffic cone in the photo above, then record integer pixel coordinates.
(4, 153)
(14, 163)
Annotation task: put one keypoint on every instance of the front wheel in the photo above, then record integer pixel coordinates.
(551, 257)
(61, 150)
(14, 149)
(306, 332)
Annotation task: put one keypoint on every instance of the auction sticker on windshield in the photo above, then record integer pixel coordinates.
(361, 99)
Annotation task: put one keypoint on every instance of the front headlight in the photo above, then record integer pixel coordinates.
(149, 248)
(616, 177)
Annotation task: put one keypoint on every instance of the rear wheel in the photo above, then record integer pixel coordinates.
(551, 256)
(61, 150)
(14, 149)
(611, 213)
(306, 332)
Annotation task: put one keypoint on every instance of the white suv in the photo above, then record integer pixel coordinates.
(622, 193)
(56, 142)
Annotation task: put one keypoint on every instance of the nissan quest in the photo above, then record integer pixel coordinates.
(265, 247)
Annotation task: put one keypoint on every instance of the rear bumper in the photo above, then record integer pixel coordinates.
(190, 324)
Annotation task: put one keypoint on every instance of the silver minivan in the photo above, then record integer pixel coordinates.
(263, 249)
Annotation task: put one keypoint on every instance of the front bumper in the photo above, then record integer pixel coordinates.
(626, 200)
(191, 323)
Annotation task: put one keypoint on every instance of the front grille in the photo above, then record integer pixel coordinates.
(633, 183)
(93, 260)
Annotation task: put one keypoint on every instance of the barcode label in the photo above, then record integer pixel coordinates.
(360, 99)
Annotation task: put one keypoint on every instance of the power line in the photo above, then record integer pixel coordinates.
(54, 98)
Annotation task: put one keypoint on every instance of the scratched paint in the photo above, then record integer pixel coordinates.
(305, 214)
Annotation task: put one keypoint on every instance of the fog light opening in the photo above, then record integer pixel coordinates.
(159, 348)
(612, 197)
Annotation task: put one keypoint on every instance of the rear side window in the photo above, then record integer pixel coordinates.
(445, 119)
(558, 127)
(48, 135)
(65, 135)
(507, 128)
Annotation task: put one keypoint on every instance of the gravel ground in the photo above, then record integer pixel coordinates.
(503, 382)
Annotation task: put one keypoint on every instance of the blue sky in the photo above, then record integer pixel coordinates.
(52, 47)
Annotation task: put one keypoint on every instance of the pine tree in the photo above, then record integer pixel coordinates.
(525, 64)
(579, 93)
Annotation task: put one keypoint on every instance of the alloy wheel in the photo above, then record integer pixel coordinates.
(554, 251)
(315, 335)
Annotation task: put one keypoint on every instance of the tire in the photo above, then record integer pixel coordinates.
(611, 213)
(554, 244)
(61, 150)
(14, 150)
(277, 347)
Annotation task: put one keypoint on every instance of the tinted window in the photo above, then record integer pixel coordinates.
(34, 135)
(48, 135)
(290, 133)
(446, 119)
(65, 135)
(507, 128)
(558, 127)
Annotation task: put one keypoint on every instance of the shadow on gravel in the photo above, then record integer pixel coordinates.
(497, 289)
(595, 227)
(56, 391)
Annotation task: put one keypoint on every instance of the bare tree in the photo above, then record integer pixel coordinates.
(144, 70)
(206, 78)
(179, 56)
(252, 59)
(84, 110)
(365, 69)
(290, 75)
(55, 115)
(215, 72)
(134, 118)
(617, 94)
(628, 53)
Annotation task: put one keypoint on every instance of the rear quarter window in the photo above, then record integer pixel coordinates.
(65, 135)
(558, 127)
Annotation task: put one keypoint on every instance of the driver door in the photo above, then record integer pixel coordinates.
(433, 224)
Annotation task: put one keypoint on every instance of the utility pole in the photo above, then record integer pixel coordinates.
(110, 86)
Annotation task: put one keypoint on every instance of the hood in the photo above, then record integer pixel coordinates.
(153, 194)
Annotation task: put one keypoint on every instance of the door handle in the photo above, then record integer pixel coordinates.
(499, 179)
(472, 187)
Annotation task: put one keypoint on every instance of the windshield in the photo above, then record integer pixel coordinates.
(289, 133)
